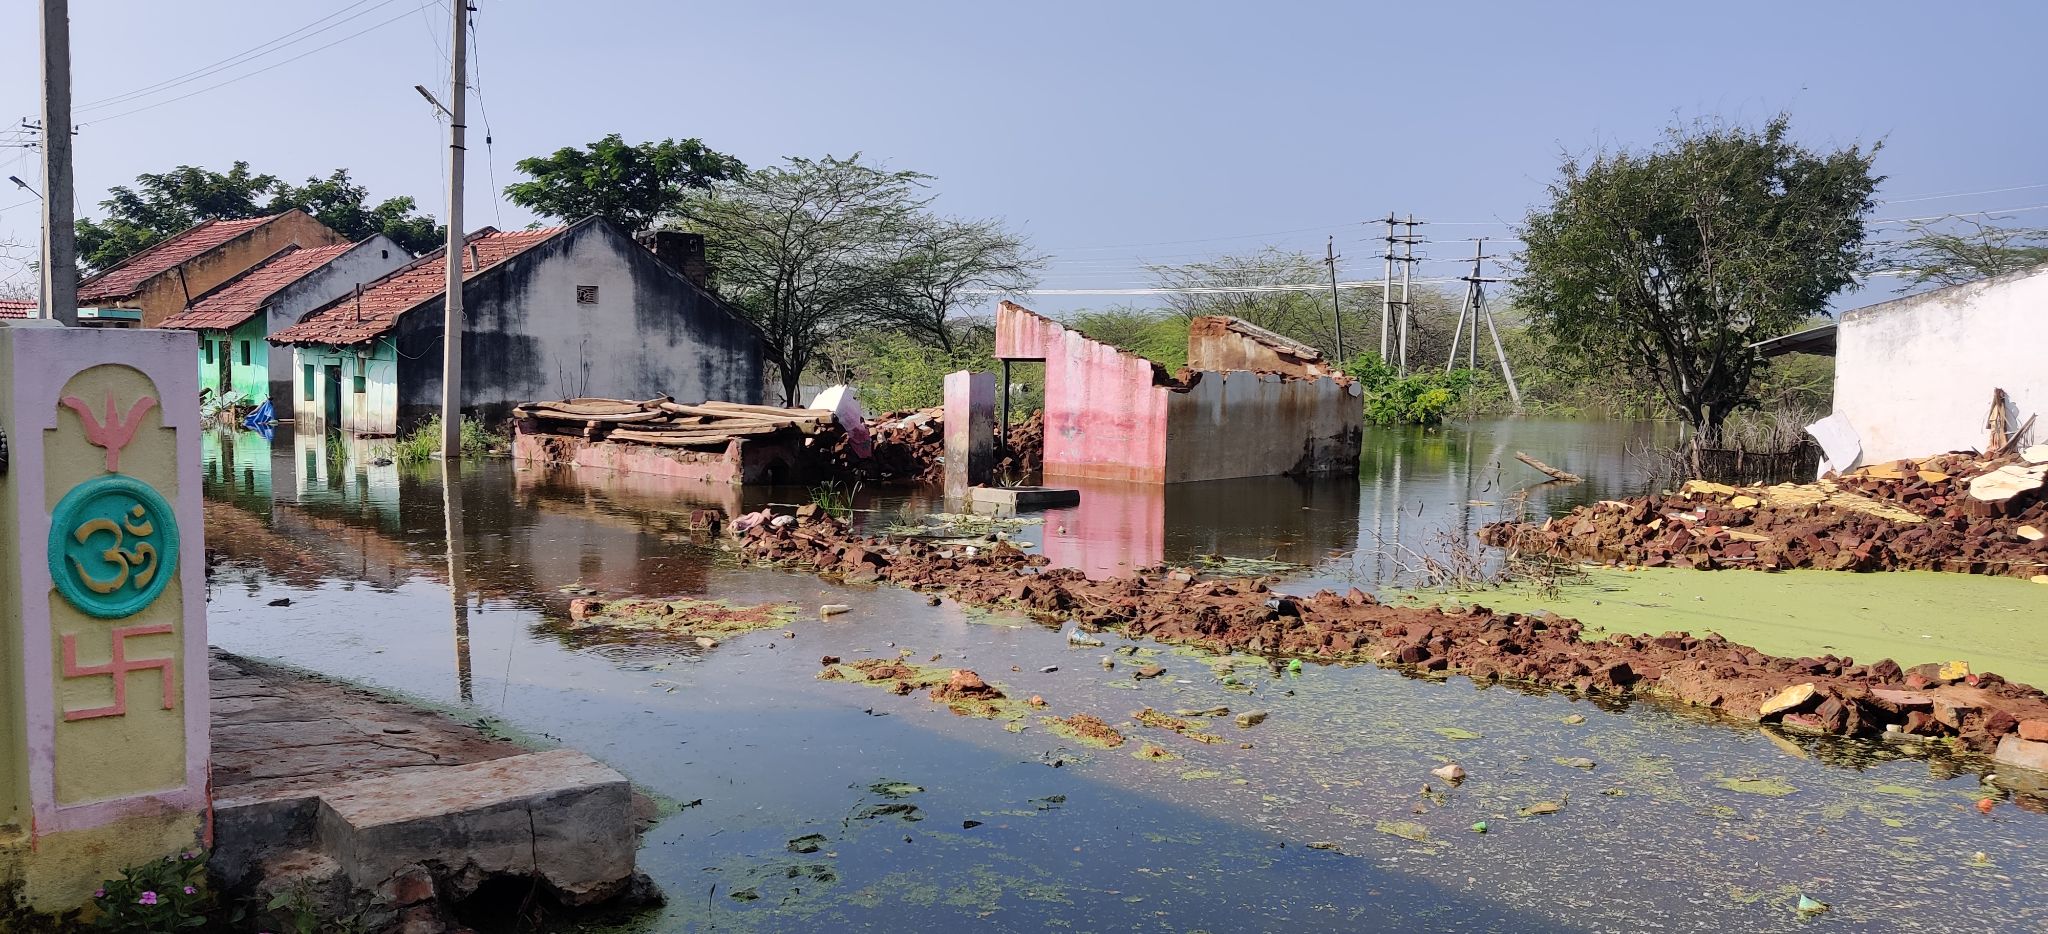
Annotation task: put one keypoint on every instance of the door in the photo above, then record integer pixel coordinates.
(227, 369)
(333, 386)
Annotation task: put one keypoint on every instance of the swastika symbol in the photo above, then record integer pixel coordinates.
(119, 666)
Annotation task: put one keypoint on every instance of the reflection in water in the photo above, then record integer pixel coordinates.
(1651, 838)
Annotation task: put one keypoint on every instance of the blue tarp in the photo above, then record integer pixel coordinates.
(263, 420)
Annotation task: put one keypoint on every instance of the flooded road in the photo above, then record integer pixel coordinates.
(1597, 818)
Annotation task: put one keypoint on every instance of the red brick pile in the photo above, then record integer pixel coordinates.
(1899, 516)
(911, 447)
(1826, 693)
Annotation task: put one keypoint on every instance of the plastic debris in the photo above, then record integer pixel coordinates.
(1479, 827)
(834, 609)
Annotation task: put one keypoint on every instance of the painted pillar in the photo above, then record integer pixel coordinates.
(103, 668)
(970, 430)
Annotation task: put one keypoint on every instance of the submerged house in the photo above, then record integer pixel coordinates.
(551, 313)
(1917, 375)
(158, 282)
(236, 318)
(1251, 404)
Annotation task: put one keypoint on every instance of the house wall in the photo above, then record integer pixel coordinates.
(526, 337)
(368, 261)
(1214, 345)
(252, 380)
(374, 411)
(1104, 417)
(1914, 376)
(169, 293)
(1245, 424)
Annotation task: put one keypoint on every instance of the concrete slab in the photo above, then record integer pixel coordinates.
(1011, 500)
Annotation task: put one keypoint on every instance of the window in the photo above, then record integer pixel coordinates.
(206, 351)
(586, 295)
(245, 353)
(306, 380)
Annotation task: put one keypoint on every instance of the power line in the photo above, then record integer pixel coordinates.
(237, 58)
(476, 67)
(252, 74)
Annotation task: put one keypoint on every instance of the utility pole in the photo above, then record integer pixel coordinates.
(1475, 302)
(1336, 313)
(1465, 307)
(1407, 266)
(60, 253)
(451, 320)
(1387, 289)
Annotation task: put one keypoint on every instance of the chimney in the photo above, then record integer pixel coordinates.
(683, 252)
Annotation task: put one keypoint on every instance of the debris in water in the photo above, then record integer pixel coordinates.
(808, 843)
(1479, 827)
(834, 609)
(1576, 762)
(1453, 773)
(1251, 718)
(1811, 906)
(1087, 729)
(889, 789)
(1540, 808)
(1575, 719)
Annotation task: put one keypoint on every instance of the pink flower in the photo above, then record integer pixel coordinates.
(188, 854)
(148, 898)
(99, 893)
(191, 891)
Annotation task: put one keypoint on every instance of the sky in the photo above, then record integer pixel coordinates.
(1111, 134)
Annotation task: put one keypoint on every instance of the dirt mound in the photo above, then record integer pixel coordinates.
(911, 447)
(965, 685)
(1089, 729)
(1246, 615)
(1904, 515)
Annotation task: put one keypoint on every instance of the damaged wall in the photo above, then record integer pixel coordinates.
(1114, 415)
(1914, 376)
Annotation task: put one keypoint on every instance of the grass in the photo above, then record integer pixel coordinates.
(835, 499)
(420, 446)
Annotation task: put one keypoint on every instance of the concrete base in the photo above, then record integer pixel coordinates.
(741, 461)
(1004, 501)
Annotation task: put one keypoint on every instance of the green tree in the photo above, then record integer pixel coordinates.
(943, 263)
(1666, 266)
(629, 185)
(1953, 251)
(808, 250)
(163, 204)
(343, 205)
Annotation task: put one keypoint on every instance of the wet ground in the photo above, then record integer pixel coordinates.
(1681, 823)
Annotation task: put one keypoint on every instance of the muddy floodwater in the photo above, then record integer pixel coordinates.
(793, 803)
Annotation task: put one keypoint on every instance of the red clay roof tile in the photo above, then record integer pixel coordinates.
(123, 279)
(240, 298)
(12, 308)
(354, 319)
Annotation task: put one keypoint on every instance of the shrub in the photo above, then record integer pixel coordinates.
(1422, 398)
(166, 895)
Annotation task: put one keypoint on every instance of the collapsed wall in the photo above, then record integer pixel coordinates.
(1258, 405)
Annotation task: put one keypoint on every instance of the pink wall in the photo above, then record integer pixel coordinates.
(1103, 415)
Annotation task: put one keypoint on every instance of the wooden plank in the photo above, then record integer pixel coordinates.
(768, 409)
(619, 417)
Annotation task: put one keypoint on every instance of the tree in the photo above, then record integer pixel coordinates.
(1966, 252)
(161, 205)
(631, 186)
(343, 205)
(808, 249)
(1668, 265)
(1292, 300)
(943, 262)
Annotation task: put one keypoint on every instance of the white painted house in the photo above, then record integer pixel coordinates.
(1915, 376)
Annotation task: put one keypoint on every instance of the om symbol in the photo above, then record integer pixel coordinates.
(113, 546)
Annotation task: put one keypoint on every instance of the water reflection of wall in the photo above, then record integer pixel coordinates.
(236, 467)
(1118, 526)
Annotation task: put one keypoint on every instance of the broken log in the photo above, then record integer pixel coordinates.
(539, 410)
(1552, 472)
(768, 409)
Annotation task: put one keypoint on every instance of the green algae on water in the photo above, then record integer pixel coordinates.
(1768, 787)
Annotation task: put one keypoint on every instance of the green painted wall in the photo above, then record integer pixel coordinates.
(250, 378)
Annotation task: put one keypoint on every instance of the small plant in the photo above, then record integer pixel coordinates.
(337, 450)
(835, 499)
(420, 446)
(168, 894)
(295, 912)
(1424, 398)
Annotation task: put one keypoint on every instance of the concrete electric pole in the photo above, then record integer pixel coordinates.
(60, 253)
(1336, 313)
(451, 321)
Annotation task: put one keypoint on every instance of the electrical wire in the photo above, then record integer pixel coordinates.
(238, 58)
(476, 65)
(252, 74)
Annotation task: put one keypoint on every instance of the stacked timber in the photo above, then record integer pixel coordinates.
(663, 421)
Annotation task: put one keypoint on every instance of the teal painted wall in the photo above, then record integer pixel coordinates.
(250, 378)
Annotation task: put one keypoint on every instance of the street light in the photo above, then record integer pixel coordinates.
(42, 301)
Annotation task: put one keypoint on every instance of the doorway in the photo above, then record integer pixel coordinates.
(332, 385)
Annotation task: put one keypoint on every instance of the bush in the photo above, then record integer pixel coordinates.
(420, 446)
(1423, 398)
(167, 895)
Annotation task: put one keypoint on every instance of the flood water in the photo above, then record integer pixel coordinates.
(1684, 822)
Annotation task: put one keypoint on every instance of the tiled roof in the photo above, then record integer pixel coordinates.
(126, 277)
(239, 299)
(10, 308)
(354, 319)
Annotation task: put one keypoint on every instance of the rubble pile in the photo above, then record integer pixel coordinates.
(1824, 694)
(1953, 512)
(911, 447)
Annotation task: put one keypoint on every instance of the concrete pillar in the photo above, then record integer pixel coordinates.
(103, 668)
(970, 430)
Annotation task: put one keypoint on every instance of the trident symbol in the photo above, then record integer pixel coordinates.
(114, 433)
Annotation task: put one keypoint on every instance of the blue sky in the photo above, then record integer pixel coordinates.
(1112, 134)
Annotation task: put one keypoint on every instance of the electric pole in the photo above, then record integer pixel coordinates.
(1387, 289)
(1407, 266)
(1336, 312)
(451, 322)
(59, 259)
